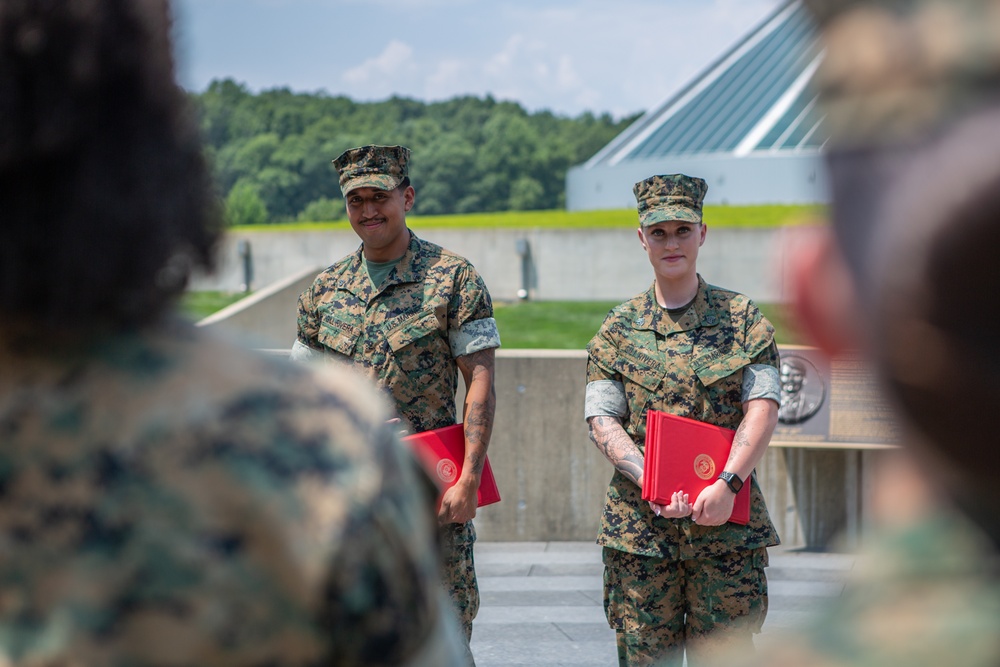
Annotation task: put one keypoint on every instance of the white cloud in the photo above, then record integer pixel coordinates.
(391, 63)
(564, 55)
(533, 71)
(448, 75)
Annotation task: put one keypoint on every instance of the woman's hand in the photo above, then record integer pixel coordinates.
(679, 506)
(714, 505)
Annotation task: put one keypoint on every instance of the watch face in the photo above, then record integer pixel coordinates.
(734, 482)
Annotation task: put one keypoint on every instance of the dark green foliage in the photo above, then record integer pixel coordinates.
(244, 205)
(470, 154)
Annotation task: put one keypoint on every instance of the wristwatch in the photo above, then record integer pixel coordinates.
(732, 480)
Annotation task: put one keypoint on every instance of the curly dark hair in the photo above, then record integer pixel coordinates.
(106, 202)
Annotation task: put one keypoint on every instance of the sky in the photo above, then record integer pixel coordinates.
(565, 56)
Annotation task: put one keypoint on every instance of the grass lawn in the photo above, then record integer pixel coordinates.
(570, 325)
(199, 305)
(564, 325)
(774, 215)
(560, 325)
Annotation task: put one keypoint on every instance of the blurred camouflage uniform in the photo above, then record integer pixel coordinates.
(919, 596)
(169, 500)
(910, 91)
(898, 70)
(699, 363)
(405, 335)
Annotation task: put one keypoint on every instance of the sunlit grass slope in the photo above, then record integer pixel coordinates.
(773, 215)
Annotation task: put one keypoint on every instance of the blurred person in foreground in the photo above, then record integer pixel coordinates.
(164, 498)
(904, 275)
(411, 316)
(677, 575)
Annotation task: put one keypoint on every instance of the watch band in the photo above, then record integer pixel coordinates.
(732, 480)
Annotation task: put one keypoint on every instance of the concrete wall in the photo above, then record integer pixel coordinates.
(571, 265)
(753, 179)
(553, 480)
(266, 318)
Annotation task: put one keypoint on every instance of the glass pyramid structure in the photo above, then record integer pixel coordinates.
(752, 110)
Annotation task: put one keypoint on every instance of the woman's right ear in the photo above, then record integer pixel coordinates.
(642, 239)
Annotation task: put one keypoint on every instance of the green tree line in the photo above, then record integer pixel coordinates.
(272, 151)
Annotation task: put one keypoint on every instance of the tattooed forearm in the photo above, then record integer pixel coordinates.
(740, 441)
(478, 428)
(477, 462)
(752, 436)
(480, 405)
(479, 418)
(611, 439)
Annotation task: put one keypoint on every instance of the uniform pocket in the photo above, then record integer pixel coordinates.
(642, 377)
(339, 335)
(643, 372)
(714, 366)
(614, 608)
(413, 329)
(420, 349)
(758, 608)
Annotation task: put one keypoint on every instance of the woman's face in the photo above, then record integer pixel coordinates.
(672, 247)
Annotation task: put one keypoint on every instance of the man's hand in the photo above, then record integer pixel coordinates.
(714, 505)
(458, 505)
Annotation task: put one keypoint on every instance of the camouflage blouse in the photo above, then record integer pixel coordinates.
(692, 365)
(405, 334)
(168, 499)
(921, 594)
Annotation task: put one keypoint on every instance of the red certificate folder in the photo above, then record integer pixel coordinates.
(442, 452)
(687, 455)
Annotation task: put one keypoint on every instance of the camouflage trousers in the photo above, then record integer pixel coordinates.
(661, 608)
(459, 574)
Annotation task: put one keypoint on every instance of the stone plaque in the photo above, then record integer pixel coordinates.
(830, 403)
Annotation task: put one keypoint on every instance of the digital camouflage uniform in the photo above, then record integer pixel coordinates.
(922, 595)
(432, 308)
(698, 365)
(170, 500)
(895, 74)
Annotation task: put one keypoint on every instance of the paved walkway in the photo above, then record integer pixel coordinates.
(542, 602)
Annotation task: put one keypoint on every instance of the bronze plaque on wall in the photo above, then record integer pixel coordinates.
(828, 403)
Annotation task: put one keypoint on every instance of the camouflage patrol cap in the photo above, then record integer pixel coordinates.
(382, 167)
(669, 197)
(895, 70)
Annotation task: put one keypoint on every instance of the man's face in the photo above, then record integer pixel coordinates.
(791, 378)
(672, 247)
(378, 217)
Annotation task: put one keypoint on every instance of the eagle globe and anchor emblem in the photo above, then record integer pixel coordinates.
(447, 471)
(704, 466)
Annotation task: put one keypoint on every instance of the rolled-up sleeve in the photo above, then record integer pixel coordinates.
(470, 312)
(605, 398)
(307, 321)
(761, 381)
(301, 353)
(474, 336)
(605, 393)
